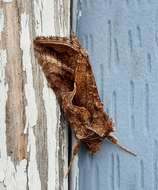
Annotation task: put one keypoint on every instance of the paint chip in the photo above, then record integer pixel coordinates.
(7, 1)
(1, 20)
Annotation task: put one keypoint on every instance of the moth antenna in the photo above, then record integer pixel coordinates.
(75, 150)
(114, 140)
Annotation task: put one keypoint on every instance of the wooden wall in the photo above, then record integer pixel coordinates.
(33, 143)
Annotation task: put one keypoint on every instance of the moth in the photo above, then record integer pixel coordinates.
(69, 73)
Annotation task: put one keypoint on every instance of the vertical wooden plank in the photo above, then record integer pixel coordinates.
(33, 148)
(124, 59)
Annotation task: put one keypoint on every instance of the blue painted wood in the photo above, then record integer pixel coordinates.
(122, 39)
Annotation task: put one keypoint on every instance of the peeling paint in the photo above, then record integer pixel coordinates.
(74, 176)
(24, 174)
(31, 109)
(62, 26)
(15, 178)
(7, 1)
(25, 43)
(50, 107)
(33, 174)
(2, 186)
(44, 17)
(1, 20)
(21, 178)
(43, 13)
(16, 140)
(11, 178)
(3, 99)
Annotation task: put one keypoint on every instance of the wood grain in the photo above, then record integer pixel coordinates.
(33, 141)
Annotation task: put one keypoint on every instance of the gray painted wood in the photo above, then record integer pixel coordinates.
(122, 40)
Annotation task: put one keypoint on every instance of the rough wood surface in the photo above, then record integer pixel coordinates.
(33, 147)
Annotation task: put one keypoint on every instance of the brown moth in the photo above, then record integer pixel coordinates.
(67, 68)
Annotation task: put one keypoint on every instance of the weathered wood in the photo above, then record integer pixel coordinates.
(33, 143)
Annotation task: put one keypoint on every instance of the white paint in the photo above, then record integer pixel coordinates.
(3, 99)
(64, 30)
(74, 173)
(1, 20)
(20, 174)
(2, 187)
(10, 177)
(44, 12)
(50, 107)
(33, 174)
(45, 25)
(7, 1)
(25, 44)
(65, 157)
(30, 109)
(44, 17)
(64, 27)
(15, 178)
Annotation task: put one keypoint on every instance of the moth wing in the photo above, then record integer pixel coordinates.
(87, 96)
(79, 117)
(59, 44)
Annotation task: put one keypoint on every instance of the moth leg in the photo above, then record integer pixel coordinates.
(114, 140)
(75, 150)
